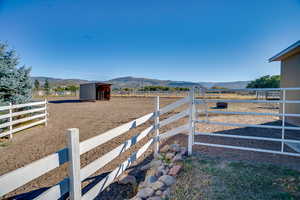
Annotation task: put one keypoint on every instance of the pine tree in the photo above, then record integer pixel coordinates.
(15, 82)
(47, 87)
(36, 85)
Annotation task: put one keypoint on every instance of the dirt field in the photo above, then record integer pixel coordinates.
(94, 118)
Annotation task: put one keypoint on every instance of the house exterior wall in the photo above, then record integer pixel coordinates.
(290, 77)
(87, 92)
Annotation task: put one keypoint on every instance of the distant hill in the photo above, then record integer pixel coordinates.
(58, 81)
(134, 82)
(230, 85)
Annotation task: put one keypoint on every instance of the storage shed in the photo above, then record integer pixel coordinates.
(290, 78)
(94, 91)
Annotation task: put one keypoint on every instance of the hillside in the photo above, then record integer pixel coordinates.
(58, 81)
(231, 85)
(134, 82)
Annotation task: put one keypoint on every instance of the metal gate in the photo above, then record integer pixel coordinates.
(283, 134)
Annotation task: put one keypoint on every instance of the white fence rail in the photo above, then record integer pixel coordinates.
(33, 111)
(283, 127)
(72, 184)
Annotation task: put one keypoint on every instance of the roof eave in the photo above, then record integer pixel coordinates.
(282, 54)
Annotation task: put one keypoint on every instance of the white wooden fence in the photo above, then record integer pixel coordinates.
(76, 174)
(72, 184)
(32, 111)
(292, 143)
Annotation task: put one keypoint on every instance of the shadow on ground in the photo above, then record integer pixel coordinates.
(66, 101)
(115, 191)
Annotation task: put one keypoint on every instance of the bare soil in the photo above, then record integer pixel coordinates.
(94, 118)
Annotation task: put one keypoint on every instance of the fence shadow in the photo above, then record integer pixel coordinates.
(65, 101)
(119, 191)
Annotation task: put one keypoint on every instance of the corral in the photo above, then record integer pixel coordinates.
(95, 118)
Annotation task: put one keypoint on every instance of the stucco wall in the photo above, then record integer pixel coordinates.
(290, 77)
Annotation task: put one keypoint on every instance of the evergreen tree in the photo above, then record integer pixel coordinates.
(15, 82)
(36, 84)
(47, 87)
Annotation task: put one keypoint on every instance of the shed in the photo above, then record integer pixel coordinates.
(290, 78)
(94, 91)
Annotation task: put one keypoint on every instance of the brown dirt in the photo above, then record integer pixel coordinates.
(92, 118)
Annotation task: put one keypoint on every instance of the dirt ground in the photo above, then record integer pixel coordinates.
(94, 118)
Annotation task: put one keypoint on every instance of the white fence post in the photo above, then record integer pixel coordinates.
(74, 163)
(283, 119)
(156, 126)
(46, 112)
(10, 121)
(191, 120)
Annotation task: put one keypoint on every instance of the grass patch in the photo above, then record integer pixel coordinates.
(4, 143)
(208, 178)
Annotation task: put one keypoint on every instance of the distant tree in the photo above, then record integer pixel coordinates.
(59, 89)
(218, 87)
(265, 82)
(15, 82)
(73, 88)
(47, 87)
(36, 84)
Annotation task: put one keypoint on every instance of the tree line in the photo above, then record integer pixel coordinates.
(59, 89)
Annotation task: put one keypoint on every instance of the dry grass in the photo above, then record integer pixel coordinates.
(214, 178)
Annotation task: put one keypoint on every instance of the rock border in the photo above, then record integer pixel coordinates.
(161, 173)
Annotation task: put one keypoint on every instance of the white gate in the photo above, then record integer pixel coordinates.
(287, 144)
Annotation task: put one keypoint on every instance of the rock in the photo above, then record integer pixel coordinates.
(146, 167)
(165, 148)
(166, 193)
(170, 165)
(175, 148)
(136, 198)
(155, 198)
(145, 193)
(150, 179)
(170, 155)
(160, 168)
(154, 164)
(158, 192)
(160, 171)
(142, 185)
(165, 171)
(175, 170)
(178, 157)
(167, 180)
(184, 151)
(127, 179)
(158, 185)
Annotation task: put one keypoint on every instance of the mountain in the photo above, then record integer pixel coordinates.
(230, 85)
(134, 82)
(58, 81)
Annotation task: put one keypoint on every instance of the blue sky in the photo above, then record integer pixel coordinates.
(196, 40)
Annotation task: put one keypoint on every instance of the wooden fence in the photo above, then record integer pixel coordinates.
(13, 119)
(71, 185)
